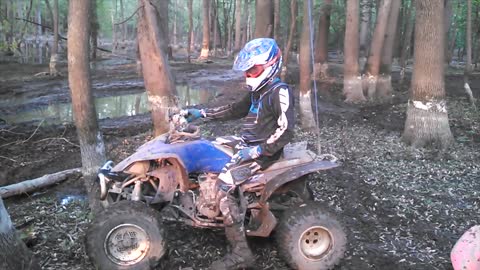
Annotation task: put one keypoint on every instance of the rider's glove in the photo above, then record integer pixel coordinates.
(247, 154)
(194, 114)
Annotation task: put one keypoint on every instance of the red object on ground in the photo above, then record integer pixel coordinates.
(465, 254)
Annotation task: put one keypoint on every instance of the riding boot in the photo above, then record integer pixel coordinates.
(240, 256)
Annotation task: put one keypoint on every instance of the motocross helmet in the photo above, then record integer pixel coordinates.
(261, 60)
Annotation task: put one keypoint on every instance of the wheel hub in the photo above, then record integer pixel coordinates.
(315, 242)
(126, 244)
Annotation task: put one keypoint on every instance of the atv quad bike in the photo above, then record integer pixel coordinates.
(174, 178)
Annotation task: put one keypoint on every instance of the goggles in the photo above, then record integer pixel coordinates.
(257, 70)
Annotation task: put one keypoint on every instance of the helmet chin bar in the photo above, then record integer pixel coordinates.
(257, 83)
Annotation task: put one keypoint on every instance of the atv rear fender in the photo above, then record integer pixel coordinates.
(292, 174)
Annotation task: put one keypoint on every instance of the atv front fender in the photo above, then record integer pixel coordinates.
(293, 174)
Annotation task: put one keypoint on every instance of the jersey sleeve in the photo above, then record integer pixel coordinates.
(234, 110)
(283, 108)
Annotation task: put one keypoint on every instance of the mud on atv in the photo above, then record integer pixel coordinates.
(174, 178)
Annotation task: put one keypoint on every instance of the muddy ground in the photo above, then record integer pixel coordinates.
(403, 208)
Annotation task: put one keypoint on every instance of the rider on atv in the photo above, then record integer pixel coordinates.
(269, 119)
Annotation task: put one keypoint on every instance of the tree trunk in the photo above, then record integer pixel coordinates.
(365, 27)
(156, 71)
(54, 51)
(427, 118)
(263, 18)
(190, 29)
(175, 33)
(293, 26)
(162, 13)
(238, 26)
(215, 27)
(468, 44)
(276, 20)
(321, 42)
(306, 113)
(39, 19)
(122, 18)
(372, 69)
(407, 41)
(245, 20)
(448, 23)
(384, 88)
(14, 254)
(206, 30)
(352, 82)
(91, 143)
(94, 29)
(114, 28)
(37, 183)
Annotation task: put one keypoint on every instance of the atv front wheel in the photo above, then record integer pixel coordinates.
(126, 235)
(310, 238)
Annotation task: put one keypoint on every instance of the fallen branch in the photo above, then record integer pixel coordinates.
(31, 185)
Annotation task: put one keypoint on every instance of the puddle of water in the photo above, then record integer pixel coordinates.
(68, 199)
(107, 107)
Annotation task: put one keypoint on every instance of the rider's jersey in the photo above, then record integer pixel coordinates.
(269, 116)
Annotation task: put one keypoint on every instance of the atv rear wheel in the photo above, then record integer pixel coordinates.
(310, 238)
(126, 235)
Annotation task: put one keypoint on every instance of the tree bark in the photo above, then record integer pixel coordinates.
(365, 26)
(122, 17)
(206, 30)
(276, 20)
(468, 44)
(54, 51)
(384, 87)
(306, 113)
(92, 147)
(263, 18)
(427, 118)
(372, 68)
(14, 254)
(238, 26)
(293, 26)
(162, 13)
(157, 76)
(190, 29)
(448, 23)
(352, 82)
(321, 42)
(407, 41)
(94, 29)
(37, 183)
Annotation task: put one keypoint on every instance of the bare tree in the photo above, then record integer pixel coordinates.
(352, 82)
(448, 23)
(407, 41)
(190, 29)
(238, 25)
(427, 117)
(276, 20)
(156, 71)
(94, 29)
(92, 147)
(372, 69)
(54, 50)
(366, 8)
(263, 18)
(162, 13)
(291, 34)
(468, 64)
(14, 254)
(384, 84)
(321, 42)
(206, 30)
(245, 21)
(305, 86)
